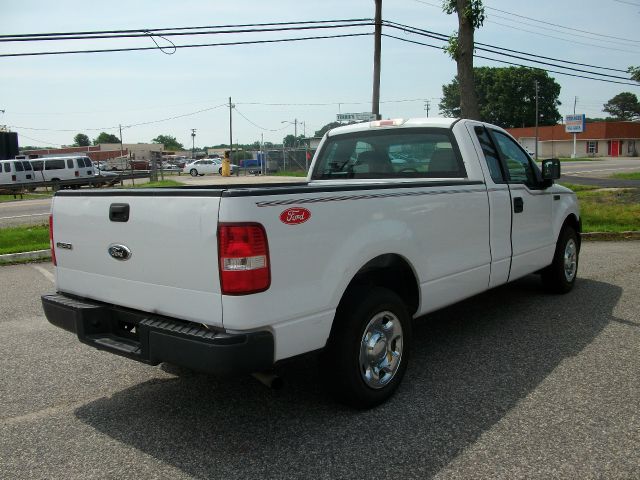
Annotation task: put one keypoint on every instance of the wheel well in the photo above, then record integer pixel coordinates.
(574, 223)
(393, 272)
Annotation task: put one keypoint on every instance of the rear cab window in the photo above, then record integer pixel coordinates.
(390, 153)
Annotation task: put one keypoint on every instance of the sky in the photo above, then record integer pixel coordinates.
(48, 99)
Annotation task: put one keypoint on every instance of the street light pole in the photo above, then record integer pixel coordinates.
(193, 143)
(536, 149)
(377, 44)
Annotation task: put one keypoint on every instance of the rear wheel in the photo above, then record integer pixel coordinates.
(560, 276)
(367, 354)
(193, 172)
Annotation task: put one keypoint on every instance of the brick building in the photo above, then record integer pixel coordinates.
(600, 139)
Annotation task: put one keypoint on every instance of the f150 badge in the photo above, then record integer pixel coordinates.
(119, 252)
(295, 216)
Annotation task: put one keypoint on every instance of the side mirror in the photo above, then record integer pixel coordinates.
(551, 169)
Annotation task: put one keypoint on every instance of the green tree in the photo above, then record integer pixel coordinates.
(326, 128)
(624, 106)
(292, 141)
(506, 96)
(470, 17)
(169, 142)
(81, 140)
(635, 73)
(105, 137)
(329, 126)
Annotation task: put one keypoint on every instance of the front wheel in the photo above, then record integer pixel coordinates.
(367, 353)
(193, 172)
(560, 276)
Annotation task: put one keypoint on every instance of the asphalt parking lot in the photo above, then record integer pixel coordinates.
(513, 383)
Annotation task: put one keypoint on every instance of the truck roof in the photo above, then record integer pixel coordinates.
(440, 122)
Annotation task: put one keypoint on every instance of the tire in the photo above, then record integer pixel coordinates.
(220, 171)
(193, 172)
(560, 276)
(351, 374)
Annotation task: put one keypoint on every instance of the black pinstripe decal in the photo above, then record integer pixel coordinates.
(342, 198)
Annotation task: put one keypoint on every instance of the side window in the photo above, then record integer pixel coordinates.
(70, 163)
(27, 166)
(19, 167)
(518, 163)
(37, 165)
(7, 167)
(490, 154)
(54, 165)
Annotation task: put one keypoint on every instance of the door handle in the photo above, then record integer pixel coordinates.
(119, 212)
(518, 205)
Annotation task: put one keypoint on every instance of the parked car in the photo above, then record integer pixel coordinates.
(106, 178)
(100, 165)
(206, 166)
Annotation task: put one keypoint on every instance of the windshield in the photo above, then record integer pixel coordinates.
(391, 153)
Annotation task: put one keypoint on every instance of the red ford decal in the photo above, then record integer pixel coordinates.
(295, 216)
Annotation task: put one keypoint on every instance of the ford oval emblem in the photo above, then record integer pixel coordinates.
(295, 216)
(119, 252)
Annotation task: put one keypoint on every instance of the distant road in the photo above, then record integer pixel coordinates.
(24, 212)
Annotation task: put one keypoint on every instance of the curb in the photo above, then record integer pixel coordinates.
(629, 235)
(18, 257)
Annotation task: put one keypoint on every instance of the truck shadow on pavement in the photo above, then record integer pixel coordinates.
(471, 363)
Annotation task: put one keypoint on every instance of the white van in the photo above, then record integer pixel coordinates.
(15, 171)
(62, 168)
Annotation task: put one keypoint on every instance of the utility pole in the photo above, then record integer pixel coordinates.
(536, 149)
(231, 105)
(575, 101)
(427, 105)
(377, 44)
(193, 143)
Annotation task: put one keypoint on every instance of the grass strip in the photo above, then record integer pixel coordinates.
(609, 209)
(24, 239)
(158, 184)
(627, 176)
(26, 196)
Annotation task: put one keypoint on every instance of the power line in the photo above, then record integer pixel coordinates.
(133, 49)
(188, 33)
(516, 64)
(489, 19)
(124, 126)
(483, 47)
(170, 29)
(572, 34)
(258, 126)
(575, 42)
(560, 26)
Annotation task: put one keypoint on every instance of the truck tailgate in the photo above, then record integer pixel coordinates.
(172, 268)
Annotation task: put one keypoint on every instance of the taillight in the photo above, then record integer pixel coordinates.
(77, 173)
(53, 250)
(244, 258)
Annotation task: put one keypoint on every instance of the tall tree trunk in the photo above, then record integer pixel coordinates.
(468, 100)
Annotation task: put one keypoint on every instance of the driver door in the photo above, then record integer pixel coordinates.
(532, 241)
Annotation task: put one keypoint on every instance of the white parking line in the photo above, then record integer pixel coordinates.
(601, 170)
(45, 273)
(24, 216)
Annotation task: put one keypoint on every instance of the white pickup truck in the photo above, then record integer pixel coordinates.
(397, 218)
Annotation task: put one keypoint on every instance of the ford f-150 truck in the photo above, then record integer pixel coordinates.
(396, 218)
